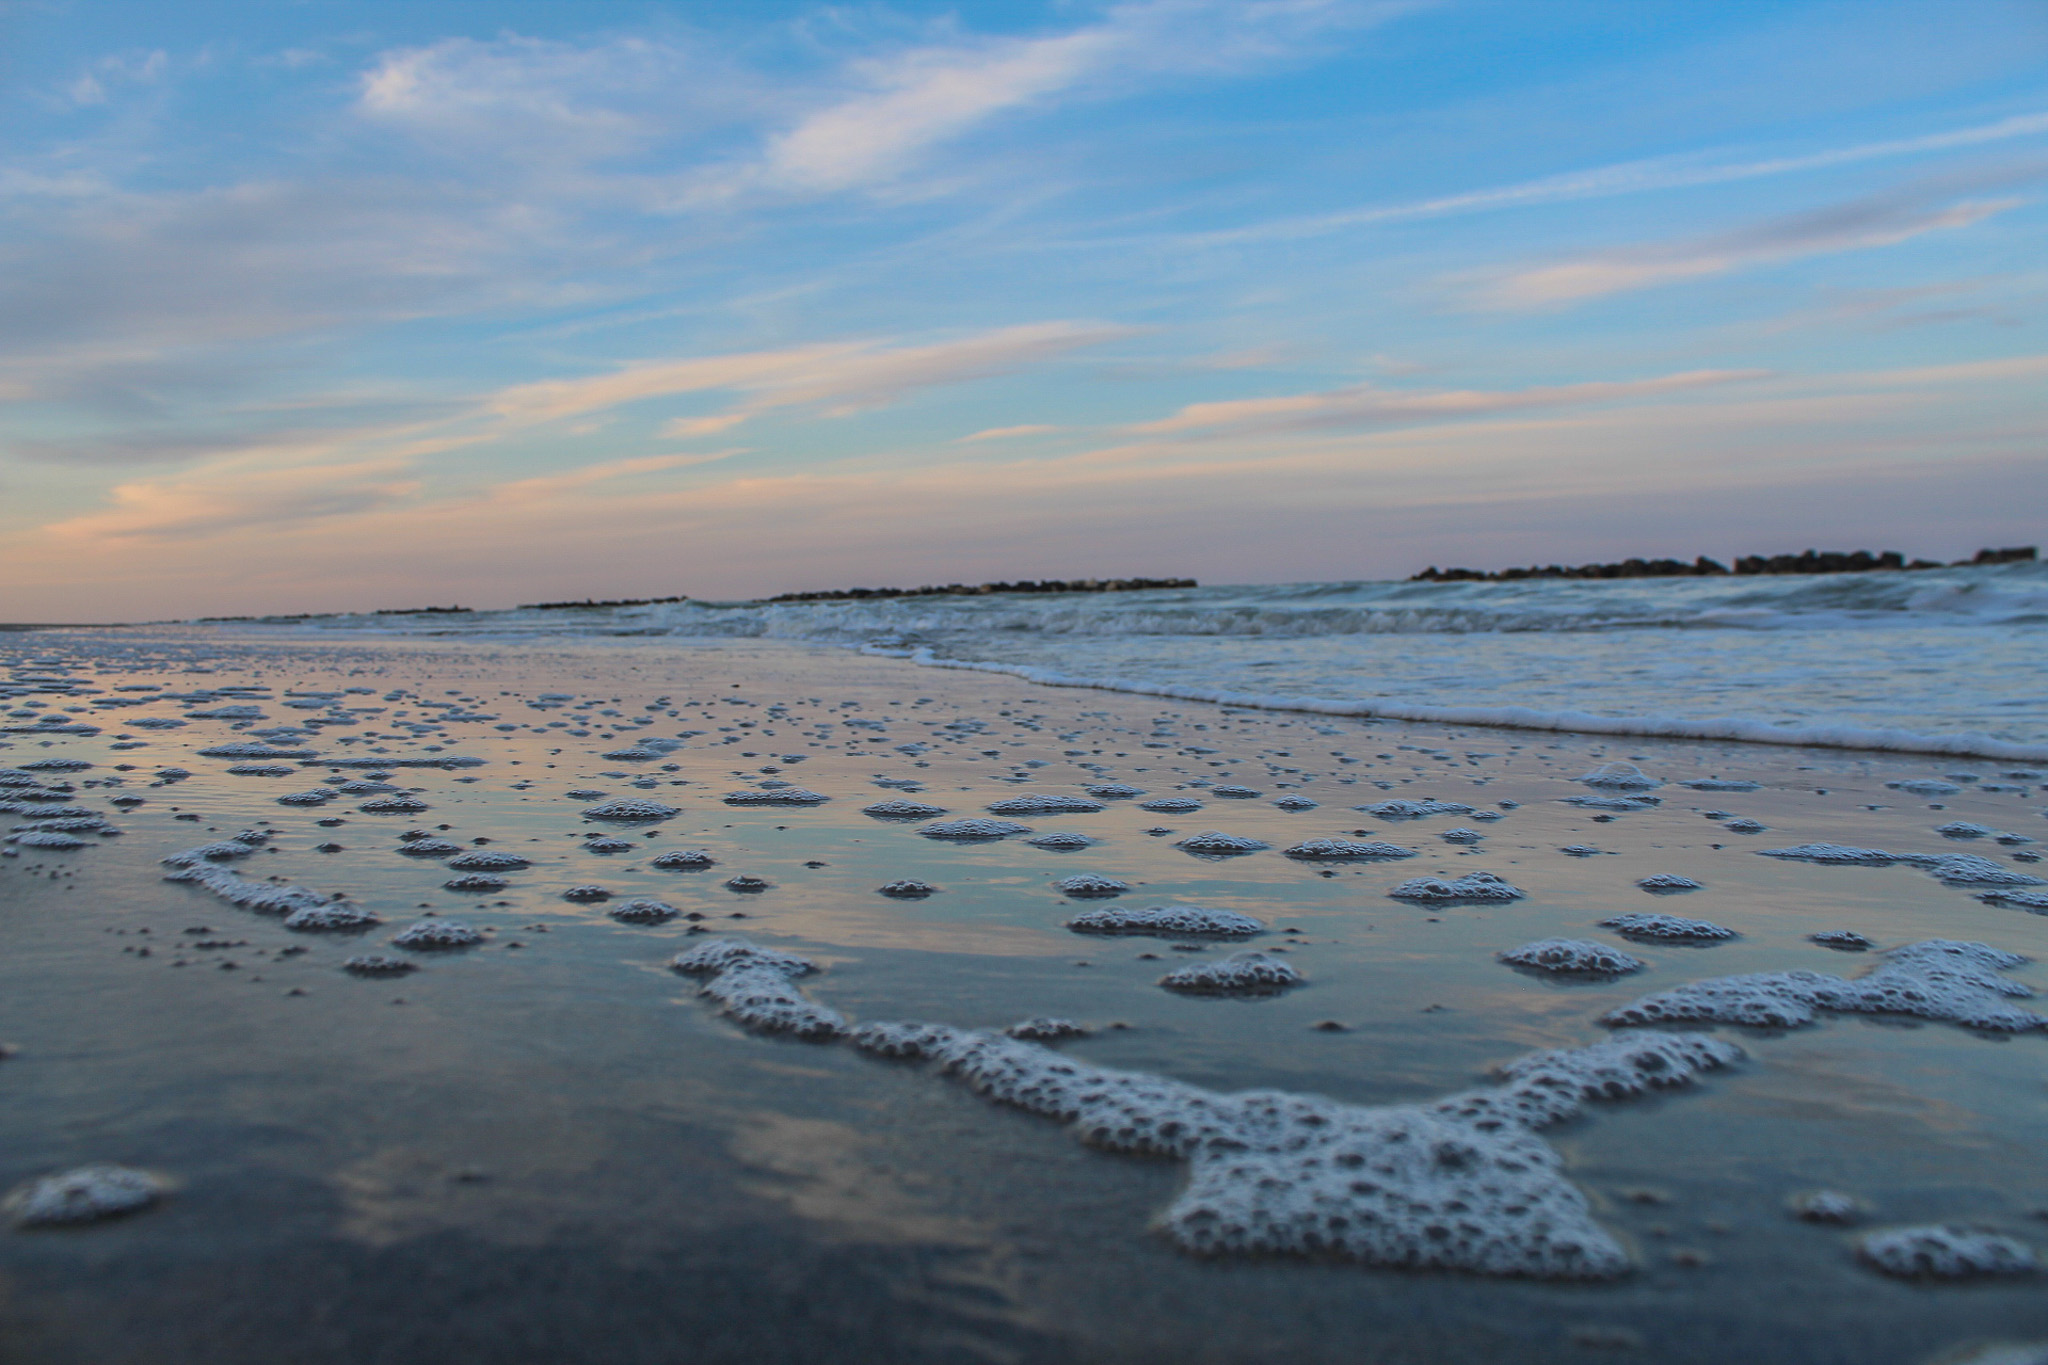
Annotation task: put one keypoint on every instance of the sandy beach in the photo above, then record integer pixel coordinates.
(549, 1146)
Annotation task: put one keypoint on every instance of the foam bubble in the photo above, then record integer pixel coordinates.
(1945, 1251)
(1248, 973)
(54, 840)
(1042, 803)
(85, 1194)
(902, 808)
(1087, 884)
(1667, 881)
(1415, 810)
(1941, 979)
(2034, 901)
(1573, 955)
(754, 985)
(1826, 1206)
(1346, 848)
(488, 860)
(1166, 921)
(1619, 776)
(331, 916)
(780, 796)
(1473, 886)
(1673, 928)
(1215, 841)
(430, 935)
(1045, 1029)
(974, 827)
(631, 808)
(643, 912)
(378, 964)
(398, 803)
(1621, 804)
(684, 857)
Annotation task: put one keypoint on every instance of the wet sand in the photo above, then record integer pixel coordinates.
(558, 1152)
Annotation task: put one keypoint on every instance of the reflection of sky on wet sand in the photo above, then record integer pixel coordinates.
(573, 1089)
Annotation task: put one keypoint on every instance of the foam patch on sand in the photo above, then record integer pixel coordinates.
(684, 858)
(1215, 841)
(1087, 884)
(1670, 928)
(1945, 1252)
(755, 986)
(1462, 1183)
(1941, 979)
(1346, 848)
(1473, 886)
(1952, 869)
(86, 1194)
(1622, 804)
(902, 808)
(1573, 956)
(2035, 902)
(1171, 921)
(1620, 776)
(430, 935)
(1248, 973)
(488, 860)
(263, 898)
(631, 808)
(1045, 804)
(1415, 810)
(974, 828)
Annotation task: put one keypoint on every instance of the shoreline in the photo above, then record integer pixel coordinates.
(573, 1090)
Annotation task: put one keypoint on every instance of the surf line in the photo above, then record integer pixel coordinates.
(1740, 729)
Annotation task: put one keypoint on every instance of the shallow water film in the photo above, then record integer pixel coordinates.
(656, 999)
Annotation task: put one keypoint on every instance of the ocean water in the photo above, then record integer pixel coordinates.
(1940, 661)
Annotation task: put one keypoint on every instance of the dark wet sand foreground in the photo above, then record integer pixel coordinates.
(548, 1147)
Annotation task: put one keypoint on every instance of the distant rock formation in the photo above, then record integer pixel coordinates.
(592, 604)
(984, 589)
(1810, 562)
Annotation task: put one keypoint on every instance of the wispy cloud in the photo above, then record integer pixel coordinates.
(547, 487)
(1858, 226)
(1366, 405)
(917, 99)
(1007, 433)
(219, 501)
(1628, 177)
(835, 378)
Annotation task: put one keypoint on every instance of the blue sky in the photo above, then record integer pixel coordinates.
(319, 305)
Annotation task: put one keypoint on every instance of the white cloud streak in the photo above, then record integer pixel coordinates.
(1629, 177)
(836, 378)
(1857, 226)
(1367, 405)
(926, 96)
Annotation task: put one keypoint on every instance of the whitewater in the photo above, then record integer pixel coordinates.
(1944, 661)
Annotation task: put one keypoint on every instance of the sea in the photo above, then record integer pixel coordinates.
(1943, 661)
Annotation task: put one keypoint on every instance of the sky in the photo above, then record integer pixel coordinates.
(342, 304)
